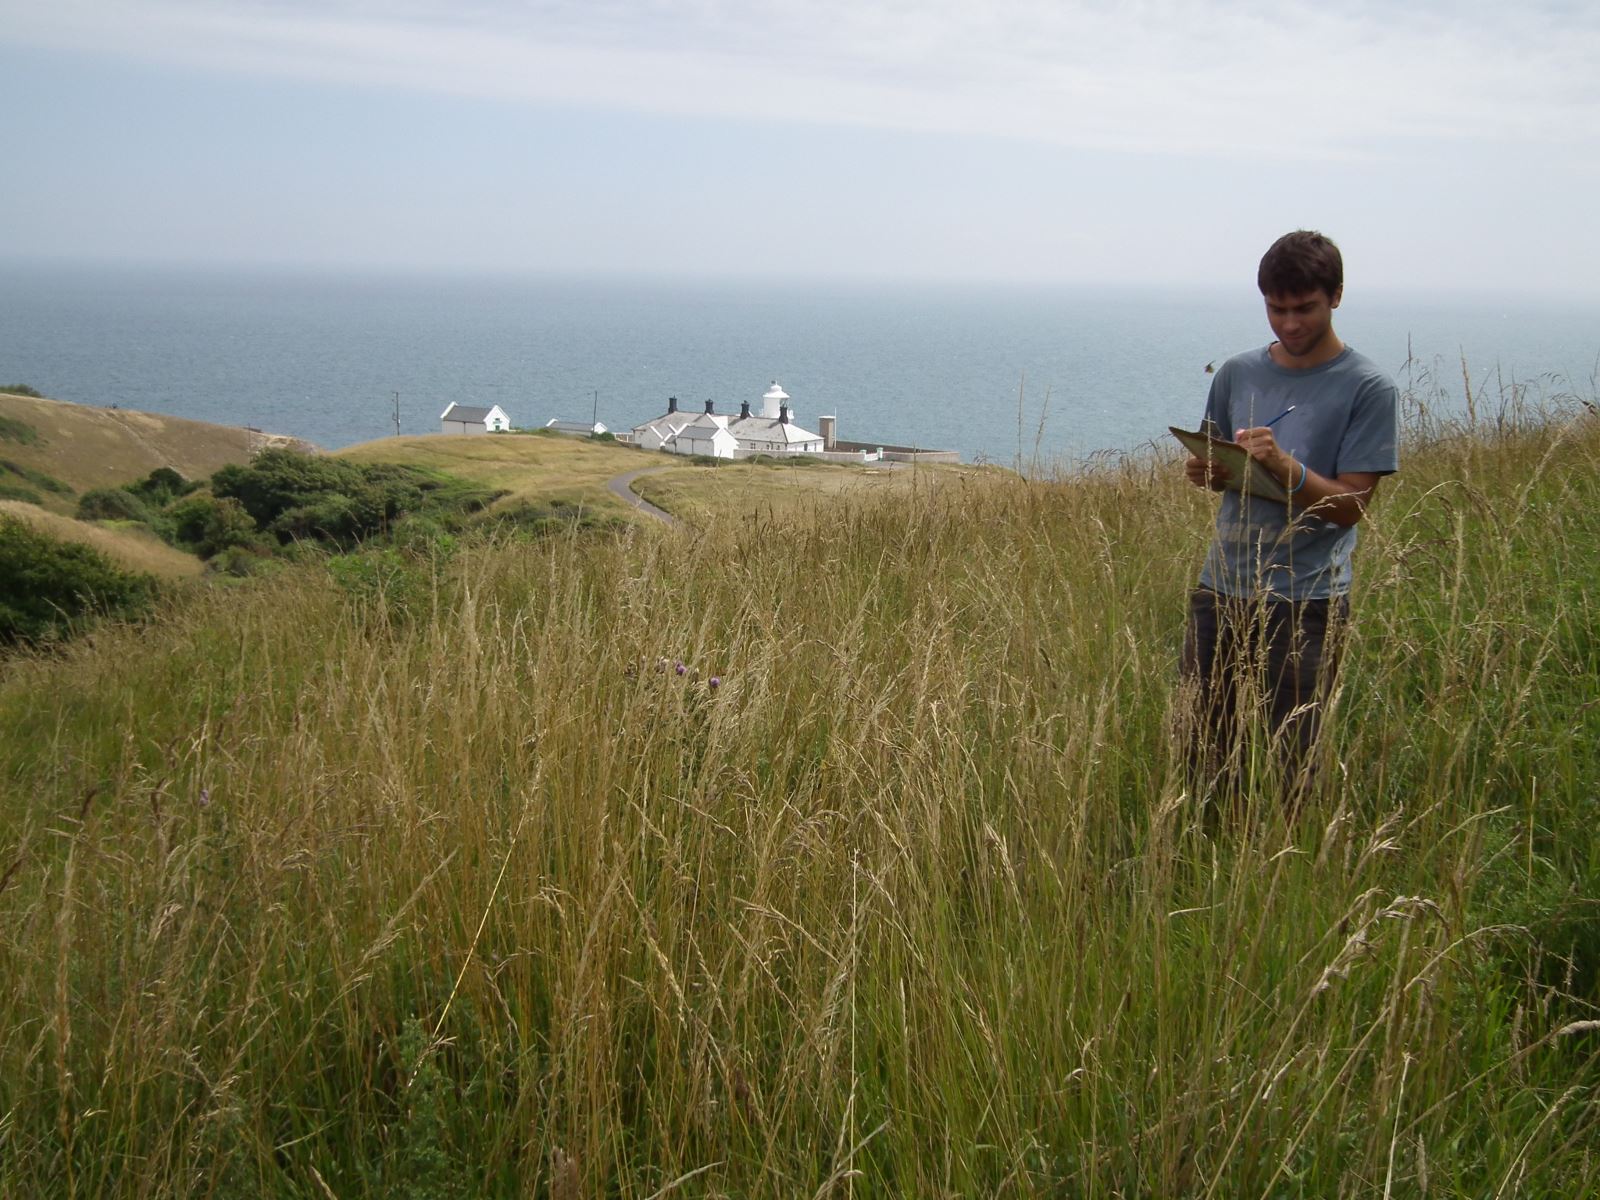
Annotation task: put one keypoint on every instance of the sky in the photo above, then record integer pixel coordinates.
(1445, 146)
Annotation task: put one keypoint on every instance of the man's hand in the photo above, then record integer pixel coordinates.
(1207, 473)
(1260, 445)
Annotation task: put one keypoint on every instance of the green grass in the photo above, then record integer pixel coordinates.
(765, 487)
(433, 871)
(33, 478)
(12, 430)
(532, 472)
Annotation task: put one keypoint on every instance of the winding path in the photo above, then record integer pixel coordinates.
(621, 486)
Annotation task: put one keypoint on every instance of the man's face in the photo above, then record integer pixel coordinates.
(1302, 321)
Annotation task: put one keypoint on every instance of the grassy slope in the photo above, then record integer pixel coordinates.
(133, 549)
(87, 447)
(533, 469)
(912, 904)
(742, 490)
(540, 470)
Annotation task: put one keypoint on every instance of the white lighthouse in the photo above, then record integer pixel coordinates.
(774, 401)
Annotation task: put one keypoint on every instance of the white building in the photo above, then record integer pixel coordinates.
(462, 418)
(575, 428)
(710, 433)
(656, 434)
(777, 434)
(774, 401)
(707, 434)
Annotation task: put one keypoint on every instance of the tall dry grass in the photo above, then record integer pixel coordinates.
(447, 881)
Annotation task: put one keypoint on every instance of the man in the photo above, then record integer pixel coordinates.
(1264, 631)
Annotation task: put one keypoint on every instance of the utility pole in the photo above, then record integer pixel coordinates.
(397, 414)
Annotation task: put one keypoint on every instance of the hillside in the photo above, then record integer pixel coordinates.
(84, 447)
(542, 471)
(767, 488)
(838, 853)
(51, 453)
(533, 469)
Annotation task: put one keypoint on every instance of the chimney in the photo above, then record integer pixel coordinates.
(744, 411)
(783, 414)
(672, 405)
(825, 426)
(708, 407)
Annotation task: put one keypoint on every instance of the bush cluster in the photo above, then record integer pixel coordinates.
(143, 501)
(295, 497)
(285, 498)
(49, 589)
(557, 515)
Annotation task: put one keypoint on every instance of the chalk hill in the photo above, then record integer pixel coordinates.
(83, 447)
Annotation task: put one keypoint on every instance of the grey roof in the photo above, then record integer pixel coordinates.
(667, 424)
(564, 426)
(707, 421)
(770, 429)
(462, 412)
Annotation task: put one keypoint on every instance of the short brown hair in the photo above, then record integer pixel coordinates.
(1298, 262)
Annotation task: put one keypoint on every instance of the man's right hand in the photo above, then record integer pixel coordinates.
(1207, 473)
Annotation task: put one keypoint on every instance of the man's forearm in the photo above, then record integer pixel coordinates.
(1340, 500)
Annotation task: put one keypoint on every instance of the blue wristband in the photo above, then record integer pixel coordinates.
(1302, 482)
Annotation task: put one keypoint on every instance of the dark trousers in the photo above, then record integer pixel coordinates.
(1256, 676)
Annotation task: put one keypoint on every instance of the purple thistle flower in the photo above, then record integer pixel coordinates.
(716, 682)
(681, 668)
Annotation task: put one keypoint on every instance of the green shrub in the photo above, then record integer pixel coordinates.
(161, 487)
(116, 504)
(242, 561)
(280, 480)
(785, 460)
(297, 497)
(143, 501)
(384, 581)
(421, 1167)
(20, 389)
(50, 589)
(422, 535)
(15, 491)
(207, 526)
(553, 516)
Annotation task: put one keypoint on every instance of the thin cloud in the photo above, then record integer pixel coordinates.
(1298, 79)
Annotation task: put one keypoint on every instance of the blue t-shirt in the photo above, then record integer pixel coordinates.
(1345, 419)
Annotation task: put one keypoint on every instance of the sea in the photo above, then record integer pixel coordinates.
(1039, 376)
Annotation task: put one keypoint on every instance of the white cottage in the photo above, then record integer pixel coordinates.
(706, 433)
(462, 418)
(656, 434)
